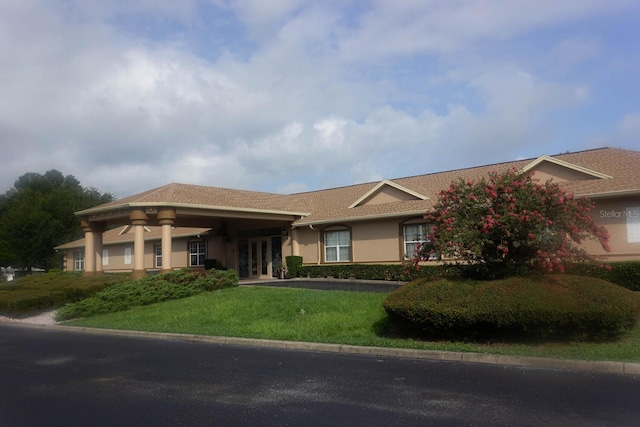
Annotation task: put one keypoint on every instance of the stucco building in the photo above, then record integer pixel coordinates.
(180, 225)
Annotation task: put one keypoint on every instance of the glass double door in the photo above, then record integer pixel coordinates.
(258, 256)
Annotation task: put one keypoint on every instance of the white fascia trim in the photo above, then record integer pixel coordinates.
(189, 206)
(605, 194)
(545, 158)
(360, 218)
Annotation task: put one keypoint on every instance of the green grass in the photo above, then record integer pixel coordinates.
(355, 318)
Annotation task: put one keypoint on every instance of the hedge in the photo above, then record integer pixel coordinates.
(549, 306)
(395, 272)
(150, 290)
(39, 292)
(622, 273)
(625, 274)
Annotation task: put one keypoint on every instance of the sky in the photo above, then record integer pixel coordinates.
(288, 96)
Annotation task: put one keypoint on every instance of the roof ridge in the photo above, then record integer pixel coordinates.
(530, 159)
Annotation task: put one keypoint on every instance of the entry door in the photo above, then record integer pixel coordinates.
(259, 256)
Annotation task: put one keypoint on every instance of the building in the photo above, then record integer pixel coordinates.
(180, 225)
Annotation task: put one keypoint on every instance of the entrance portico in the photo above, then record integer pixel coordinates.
(247, 237)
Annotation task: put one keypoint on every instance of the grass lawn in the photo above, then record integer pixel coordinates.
(338, 317)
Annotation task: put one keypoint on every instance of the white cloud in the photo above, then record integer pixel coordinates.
(289, 95)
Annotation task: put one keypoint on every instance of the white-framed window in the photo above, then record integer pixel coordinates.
(158, 255)
(127, 255)
(196, 254)
(105, 257)
(632, 216)
(415, 235)
(78, 260)
(337, 246)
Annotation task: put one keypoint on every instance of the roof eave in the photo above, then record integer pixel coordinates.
(360, 218)
(98, 210)
(609, 194)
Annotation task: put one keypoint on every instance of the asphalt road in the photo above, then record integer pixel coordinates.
(61, 378)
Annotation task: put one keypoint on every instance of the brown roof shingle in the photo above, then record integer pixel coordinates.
(332, 205)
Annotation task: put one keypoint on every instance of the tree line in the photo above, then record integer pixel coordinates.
(37, 214)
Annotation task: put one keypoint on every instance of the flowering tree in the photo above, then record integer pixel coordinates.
(509, 222)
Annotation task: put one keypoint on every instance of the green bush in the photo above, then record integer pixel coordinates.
(396, 272)
(294, 263)
(622, 273)
(548, 306)
(38, 292)
(150, 290)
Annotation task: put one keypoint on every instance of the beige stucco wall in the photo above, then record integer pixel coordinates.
(387, 194)
(611, 214)
(371, 242)
(179, 258)
(545, 171)
(308, 245)
(376, 241)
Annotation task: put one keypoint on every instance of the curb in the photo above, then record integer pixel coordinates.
(610, 367)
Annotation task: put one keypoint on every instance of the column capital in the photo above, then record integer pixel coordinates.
(92, 227)
(138, 217)
(166, 216)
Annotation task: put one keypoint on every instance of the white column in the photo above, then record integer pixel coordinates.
(295, 246)
(138, 219)
(166, 218)
(89, 250)
(138, 247)
(97, 242)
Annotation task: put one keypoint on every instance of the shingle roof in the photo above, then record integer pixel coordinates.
(125, 235)
(333, 205)
(209, 197)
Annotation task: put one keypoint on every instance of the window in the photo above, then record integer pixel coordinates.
(337, 246)
(633, 224)
(127, 255)
(414, 235)
(105, 257)
(158, 250)
(196, 254)
(78, 261)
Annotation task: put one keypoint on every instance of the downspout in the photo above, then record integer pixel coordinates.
(318, 244)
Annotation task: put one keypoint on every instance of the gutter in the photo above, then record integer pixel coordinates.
(93, 211)
(421, 212)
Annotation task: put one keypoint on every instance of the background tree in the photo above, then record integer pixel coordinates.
(508, 223)
(37, 214)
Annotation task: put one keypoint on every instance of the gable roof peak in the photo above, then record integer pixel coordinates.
(386, 183)
(554, 160)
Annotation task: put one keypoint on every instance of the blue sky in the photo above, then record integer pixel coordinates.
(289, 96)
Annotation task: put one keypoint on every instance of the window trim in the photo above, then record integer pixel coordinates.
(78, 260)
(632, 219)
(202, 254)
(157, 256)
(338, 246)
(403, 234)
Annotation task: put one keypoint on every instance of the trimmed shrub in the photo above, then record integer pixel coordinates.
(622, 273)
(395, 272)
(294, 263)
(38, 292)
(150, 290)
(556, 307)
